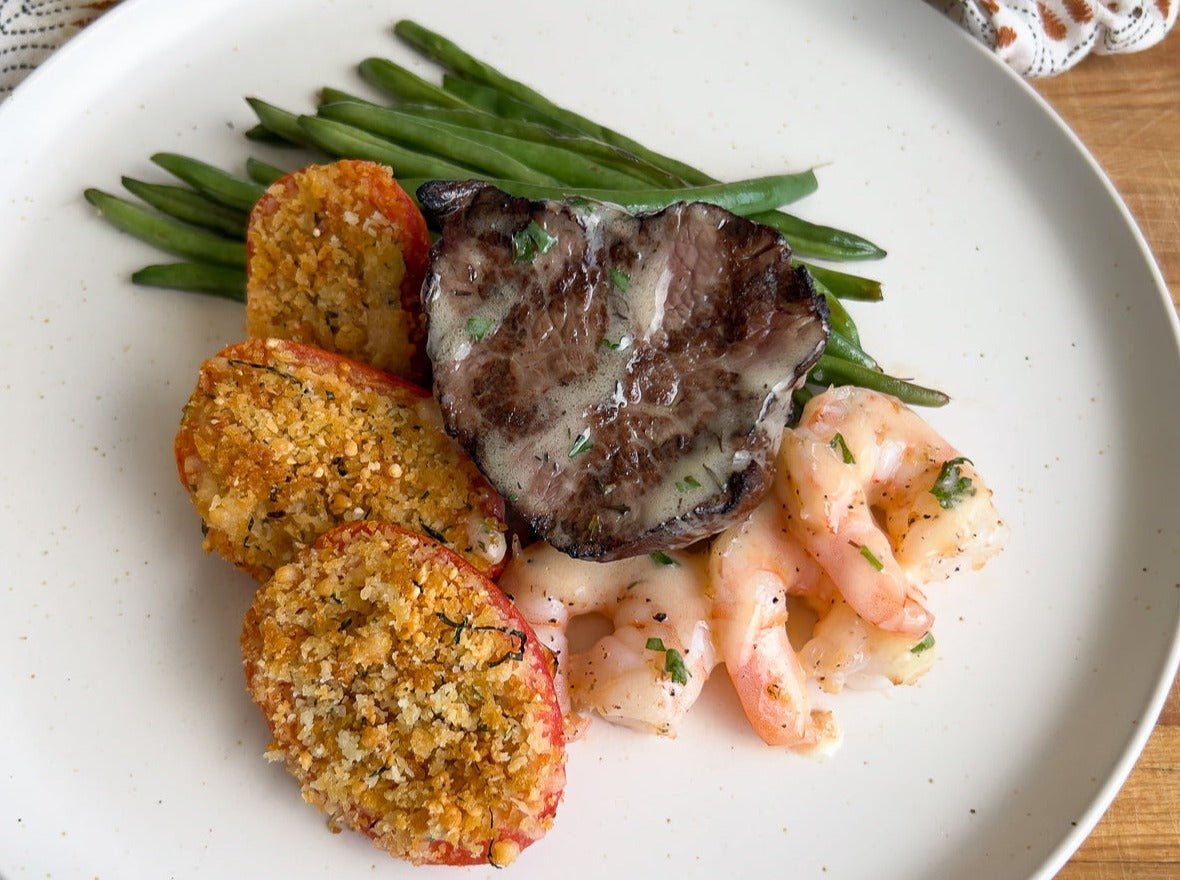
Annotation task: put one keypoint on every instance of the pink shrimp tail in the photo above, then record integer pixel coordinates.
(769, 683)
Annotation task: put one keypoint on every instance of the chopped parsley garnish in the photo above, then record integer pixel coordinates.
(620, 279)
(925, 645)
(674, 666)
(673, 662)
(515, 653)
(477, 328)
(951, 487)
(689, 482)
(530, 241)
(868, 554)
(623, 343)
(581, 443)
(659, 557)
(434, 533)
(845, 452)
(266, 368)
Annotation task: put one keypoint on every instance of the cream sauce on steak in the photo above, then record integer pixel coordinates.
(623, 380)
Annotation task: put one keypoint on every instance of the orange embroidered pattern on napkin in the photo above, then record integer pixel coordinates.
(1045, 37)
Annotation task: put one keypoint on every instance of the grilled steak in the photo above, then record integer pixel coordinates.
(622, 380)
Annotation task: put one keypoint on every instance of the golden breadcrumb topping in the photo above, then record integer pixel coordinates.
(277, 447)
(328, 252)
(406, 701)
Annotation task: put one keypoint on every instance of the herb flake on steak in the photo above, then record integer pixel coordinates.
(623, 380)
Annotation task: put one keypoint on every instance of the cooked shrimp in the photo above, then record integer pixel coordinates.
(857, 455)
(650, 670)
(845, 650)
(754, 566)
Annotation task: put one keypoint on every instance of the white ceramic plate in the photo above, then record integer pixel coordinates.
(1016, 280)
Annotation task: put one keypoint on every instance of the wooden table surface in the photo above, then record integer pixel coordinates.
(1127, 112)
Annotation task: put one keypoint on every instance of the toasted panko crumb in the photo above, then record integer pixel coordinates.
(337, 254)
(280, 442)
(407, 696)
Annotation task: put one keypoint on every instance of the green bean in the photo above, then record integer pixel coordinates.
(348, 141)
(806, 238)
(427, 137)
(602, 154)
(282, 123)
(812, 240)
(492, 99)
(845, 349)
(835, 371)
(800, 398)
(838, 317)
(844, 285)
(165, 233)
(329, 95)
(213, 182)
(507, 98)
(537, 163)
(397, 82)
(739, 197)
(473, 117)
(498, 104)
(742, 197)
(198, 277)
(451, 56)
(189, 206)
(264, 135)
(262, 172)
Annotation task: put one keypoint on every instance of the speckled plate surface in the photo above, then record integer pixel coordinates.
(1015, 280)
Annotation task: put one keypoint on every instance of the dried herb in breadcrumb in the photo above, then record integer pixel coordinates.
(280, 442)
(337, 254)
(408, 697)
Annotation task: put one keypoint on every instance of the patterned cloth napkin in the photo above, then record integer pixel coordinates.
(1035, 37)
(1044, 37)
(30, 30)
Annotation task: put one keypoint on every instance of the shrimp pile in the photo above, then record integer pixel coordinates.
(624, 676)
(869, 506)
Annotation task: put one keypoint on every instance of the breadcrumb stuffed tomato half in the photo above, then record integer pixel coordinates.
(336, 254)
(280, 442)
(407, 696)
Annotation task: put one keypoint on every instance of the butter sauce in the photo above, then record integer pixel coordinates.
(626, 386)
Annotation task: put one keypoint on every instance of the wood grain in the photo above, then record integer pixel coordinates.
(1126, 110)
